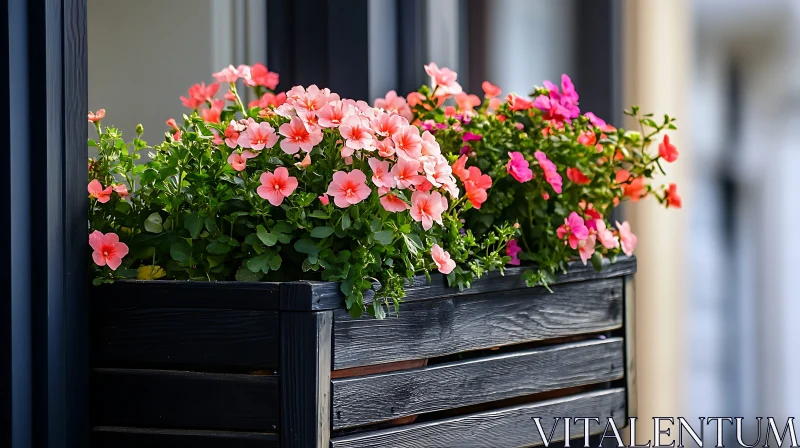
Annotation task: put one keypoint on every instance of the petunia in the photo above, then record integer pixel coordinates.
(443, 80)
(467, 102)
(606, 236)
(356, 135)
(381, 175)
(442, 259)
(227, 75)
(94, 117)
(239, 161)
(490, 90)
(575, 175)
(348, 188)
(586, 248)
(406, 173)
(96, 191)
(667, 150)
(470, 137)
(298, 137)
(408, 143)
(672, 197)
(199, 94)
(391, 203)
(550, 171)
(427, 208)
(275, 187)
(574, 229)
(513, 250)
(518, 167)
(386, 125)
(394, 103)
(121, 190)
(332, 114)
(261, 76)
(518, 103)
(430, 147)
(626, 238)
(258, 136)
(108, 250)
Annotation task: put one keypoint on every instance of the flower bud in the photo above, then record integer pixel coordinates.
(139, 130)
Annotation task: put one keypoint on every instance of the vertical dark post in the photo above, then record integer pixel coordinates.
(305, 378)
(628, 322)
(410, 45)
(474, 45)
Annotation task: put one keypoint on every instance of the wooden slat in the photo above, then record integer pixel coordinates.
(187, 294)
(116, 437)
(508, 427)
(308, 295)
(179, 336)
(190, 400)
(442, 327)
(367, 399)
(305, 379)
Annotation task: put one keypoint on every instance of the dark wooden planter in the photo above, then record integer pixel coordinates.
(191, 364)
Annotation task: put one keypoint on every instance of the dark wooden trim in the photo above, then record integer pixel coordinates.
(116, 437)
(368, 399)
(190, 400)
(629, 324)
(185, 337)
(456, 324)
(186, 294)
(310, 295)
(305, 379)
(510, 426)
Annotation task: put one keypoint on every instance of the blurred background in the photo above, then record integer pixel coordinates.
(716, 299)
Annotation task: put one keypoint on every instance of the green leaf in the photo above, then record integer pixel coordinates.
(123, 206)
(319, 214)
(215, 260)
(181, 252)
(211, 225)
(321, 232)
(342, 256)
(346, 221)
(413, 243)
(218, 248)
(245, 275)
(384, 236)
(375, 225)
(194, 224)
(282, 227)
(268, 238)
(153, 223)
(306, 246)
(258, 263)
(274, 261)
(597, 261)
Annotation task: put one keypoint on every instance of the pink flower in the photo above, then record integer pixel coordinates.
(381, 176)
(494, 103)
(442, 259)
(171, 123)
(239, 161)
(261, 76)
(573, 228)
(586, 248)
(606, 236)
(108, 250)
(394, 103)
(386, 125)
(470, 137)
(575, 175)
(476, 185)
(444, 80)
(672, 197)
(96, 191)
(550, 171)
(95, 117)
(408, 143)
(559, 106)
(268, 99)
(333, 114)
(391, 203)
(258, 136)
(199, 94)
(348, 188)
(490, 90)
(459, 168)
(406, 173)
(228, 75)
(415, 98)
(599, 123)
(430, 147)
(121, 190)
(512, 250)
(324, 199)
(518, 103)
(212, 114)
(553, 110)
(427, 208)
(626, 238)
(356, 134)
(275, 187)
(298, 137)
(467, 102)
(517, 167)
(385, 147)
(312, 98)
(667, 150)
(232, 133)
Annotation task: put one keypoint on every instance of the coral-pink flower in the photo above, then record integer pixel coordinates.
(626, 238)
(550, 171)
(94, 117)
(108, 250)
(275, 187)
(227, 75)
(232, 133)
(467, 102)
(444, 80)
(96, 191)
(518, 103)
(121, 190)
(381, 175)
(386, 125)
(490, 90)
(391, 203)
(606, 236)
(268, 99)
(258, 136)
(513, 250)
(408, 143)
(199, 94)
(574, 229)
(518, 167)
(442, 259)
(406, 173)
(324, 199)
(298, 137)
(261, 76)
(239, 161)
(356, 134)
(394, 103)
(385, 147)
(348, 188)
(430, 147)
(415, 98)
(427, 208)
(333, 114)
(667, 150)
(586, 248)
(575, 175)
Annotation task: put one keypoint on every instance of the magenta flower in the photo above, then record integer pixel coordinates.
(513, 250)
(518, 167)
(573, 229)
(550, 171)
(470, 137)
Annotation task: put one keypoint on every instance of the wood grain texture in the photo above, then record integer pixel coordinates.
(442, 327)
(189, 400)
(309, 295)
(368, 399)
(305, 379)
(116, 437)
(508, 427)
(630, 346)
(186, 294)
(181, 336)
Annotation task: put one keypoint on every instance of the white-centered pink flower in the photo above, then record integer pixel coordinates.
(108, 250)
(298, 137)
(406, 173)
(394, 103)
(356, 134)
(443, 80)
(606, 236)
(408, 143)
(626, 238)
(381, 174)
(427, 208)
(258, 136)
(430, 147)
(348, 188)
(586, 248)
(385, 147)
(391, 203)
(442, 259)
(386, 125)
(332, 114)
(239, 161)
(275, 187)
